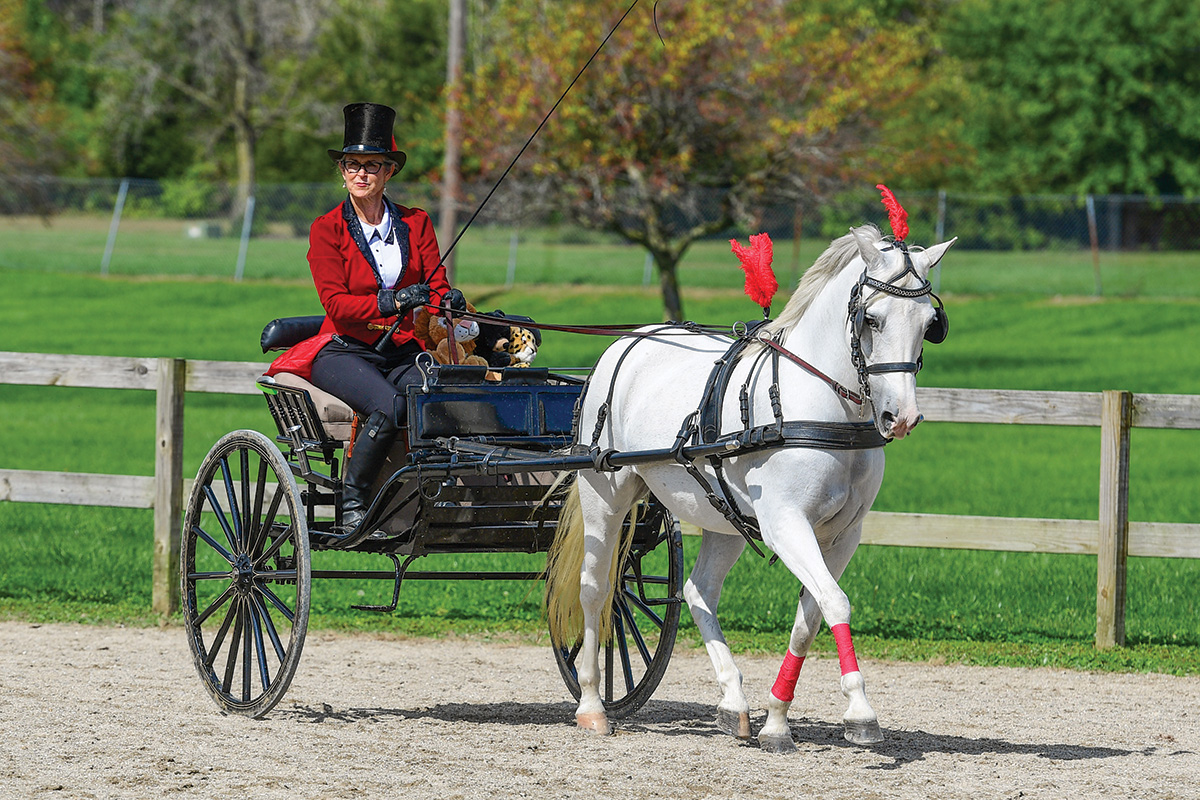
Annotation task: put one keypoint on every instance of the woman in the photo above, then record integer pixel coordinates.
(372, 262)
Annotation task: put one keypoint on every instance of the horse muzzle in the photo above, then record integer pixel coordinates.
(895, 426)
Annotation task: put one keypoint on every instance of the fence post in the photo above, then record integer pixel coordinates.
(1094, 240)
(511, 277)
(1116, 418)
(168, 484)
(247, 225)
(122, 193)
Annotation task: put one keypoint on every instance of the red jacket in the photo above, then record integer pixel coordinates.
(348, 283)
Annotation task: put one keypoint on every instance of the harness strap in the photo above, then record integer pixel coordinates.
(838, 388)
(894, 366)
(746, 526)
(602, 411)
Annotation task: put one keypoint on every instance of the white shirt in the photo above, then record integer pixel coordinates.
(385, 245)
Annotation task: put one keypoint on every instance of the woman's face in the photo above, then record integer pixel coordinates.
(361, 183)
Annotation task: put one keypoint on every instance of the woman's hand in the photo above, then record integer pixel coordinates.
(455, 301)
(401, 301)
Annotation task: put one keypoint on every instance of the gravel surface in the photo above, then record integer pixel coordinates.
(93, 712)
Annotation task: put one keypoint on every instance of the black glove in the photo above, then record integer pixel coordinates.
(455, 300)
(406, 299)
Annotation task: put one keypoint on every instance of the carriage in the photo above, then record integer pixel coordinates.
(479, 470)
(733, 431)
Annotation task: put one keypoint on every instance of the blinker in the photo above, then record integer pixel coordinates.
(940, 327)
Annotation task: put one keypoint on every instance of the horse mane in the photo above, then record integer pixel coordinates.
(837, 256)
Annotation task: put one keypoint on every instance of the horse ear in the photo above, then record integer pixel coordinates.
(867, 249)
(927, 259)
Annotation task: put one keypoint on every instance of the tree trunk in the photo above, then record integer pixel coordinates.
(451, 177)
(245, 135)
(668, 279)
(246, 176)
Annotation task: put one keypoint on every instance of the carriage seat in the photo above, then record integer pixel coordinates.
(279, 334)
(336, 417)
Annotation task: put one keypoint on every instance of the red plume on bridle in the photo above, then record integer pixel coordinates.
(896, 213)
(756, 261)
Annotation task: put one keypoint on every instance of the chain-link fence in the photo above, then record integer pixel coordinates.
(522, 235)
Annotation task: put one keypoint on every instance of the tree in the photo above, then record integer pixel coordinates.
(666, 141)
(383, 51)
(27, 147)
(1081, 97)
(233, 66)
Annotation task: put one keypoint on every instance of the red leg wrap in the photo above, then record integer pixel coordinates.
(841, 635)
(785, 685)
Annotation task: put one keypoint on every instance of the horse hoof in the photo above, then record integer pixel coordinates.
(596, 723)
(863, 732)
(733, 723)
(777, 743)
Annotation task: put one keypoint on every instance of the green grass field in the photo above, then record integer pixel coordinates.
(59, 562)
(155, 247)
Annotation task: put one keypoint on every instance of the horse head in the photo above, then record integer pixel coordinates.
(891, 314)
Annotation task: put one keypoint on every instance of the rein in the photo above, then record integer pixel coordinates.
(737, 332)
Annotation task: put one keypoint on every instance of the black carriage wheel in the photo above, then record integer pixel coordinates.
(645, 621)
(246, 574)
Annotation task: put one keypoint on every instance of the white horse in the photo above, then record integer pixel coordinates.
(865, 300)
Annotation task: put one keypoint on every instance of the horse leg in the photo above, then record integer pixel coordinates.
(804, 558)
(776, 734)
(604, 503)
(717, 555)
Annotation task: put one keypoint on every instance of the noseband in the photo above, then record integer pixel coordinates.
(856, 315)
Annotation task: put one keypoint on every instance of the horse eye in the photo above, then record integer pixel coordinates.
(873, 323)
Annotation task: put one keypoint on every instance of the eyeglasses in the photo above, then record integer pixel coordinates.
(369, 167)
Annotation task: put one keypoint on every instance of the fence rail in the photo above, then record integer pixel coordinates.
(1111, 537)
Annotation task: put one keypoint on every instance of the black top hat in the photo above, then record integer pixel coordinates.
(369, 130)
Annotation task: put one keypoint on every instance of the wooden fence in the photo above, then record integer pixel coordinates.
(1111, 537)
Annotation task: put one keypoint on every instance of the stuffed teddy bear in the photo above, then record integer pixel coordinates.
(505, 345)
(432, 332)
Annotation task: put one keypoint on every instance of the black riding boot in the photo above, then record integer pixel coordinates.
(370, 451)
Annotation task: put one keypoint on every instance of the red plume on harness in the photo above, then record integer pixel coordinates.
(756, 261)
(896, 213)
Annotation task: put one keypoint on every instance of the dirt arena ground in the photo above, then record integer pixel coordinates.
(91, 712)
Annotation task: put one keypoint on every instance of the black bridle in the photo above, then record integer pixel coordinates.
(856, 317)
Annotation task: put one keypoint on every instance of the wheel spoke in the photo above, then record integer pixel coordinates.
(268, 524)
(619, 637)
(221, 518)
(274, 599)
(264, 614)
(264, 675)
(569, 657)
(214, 605)
(234, 513)
(247, 653)
(259, 526)
(208, 576)
(234, 642)
(214, 649)
(635, 633)
(244, 463)
(225, 554)
(644, 607)
(283, 538)
(608, 671)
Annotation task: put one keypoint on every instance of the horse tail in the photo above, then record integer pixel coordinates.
(564, 572)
